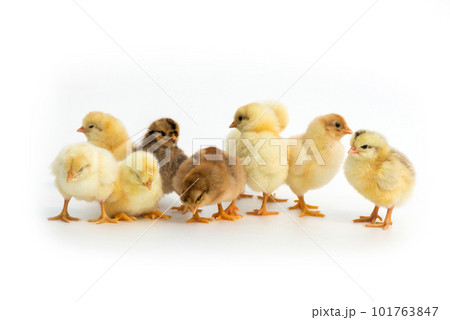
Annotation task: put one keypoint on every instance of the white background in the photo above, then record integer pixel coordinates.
(387, 72)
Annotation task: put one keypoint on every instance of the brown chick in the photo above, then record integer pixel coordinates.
(161, 139)
(210, 176)
(105, 131)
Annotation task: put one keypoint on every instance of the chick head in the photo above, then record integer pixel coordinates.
(255, 117)
(195, 191)
(141, 168)
(77, 163)
(165, 131)
(101, 127)
(332, 125)
(367, 144)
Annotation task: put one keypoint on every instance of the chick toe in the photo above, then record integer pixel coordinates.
(184, 209)
(156, 215)
(197, 218)
(123, 217)
(224, 215)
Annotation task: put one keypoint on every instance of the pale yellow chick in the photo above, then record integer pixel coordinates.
(85, 172)
(258, 147)
(380, 173)
(105, 131)
(137, 189)
(316, 158)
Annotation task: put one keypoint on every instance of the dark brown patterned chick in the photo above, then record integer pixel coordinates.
(161, 139)
(210, 176)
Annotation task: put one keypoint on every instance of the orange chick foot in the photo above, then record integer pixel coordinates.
(262, 212)
(297, 206)
(232, 210)
(183, 209)
(385, 225)
(123, 217)
(103, 219)
(156, 215)
(306, 209)
(224, 214)
(370, 219)
(311, 213)
(64, 216)
(197, 218)
(273, 198)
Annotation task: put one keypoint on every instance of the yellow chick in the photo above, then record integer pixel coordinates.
(259, 148)
(105, 131)
(85, 172)
(137, 189)
(210, 176)
(316, 158)
(380, 173)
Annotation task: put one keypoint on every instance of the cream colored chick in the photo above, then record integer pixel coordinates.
(210, 176)
(137, 189)
(107, 132)
(316, 158)
(380, 173)
(85, 172)
(259, 149)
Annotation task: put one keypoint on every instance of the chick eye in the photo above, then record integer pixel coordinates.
(240, 118)
(199, 198)
(365, 146)
(81, 169)
(337, 124)
(91, 126)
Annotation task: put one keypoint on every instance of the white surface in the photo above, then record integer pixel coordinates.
(388, 73)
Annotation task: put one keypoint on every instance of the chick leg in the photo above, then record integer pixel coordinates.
(386, 223)
(223, 214)
(263, 211)
(273, 198)
(183, 209)
(305, 208)
(124, 217)
(372, 218)
(103, 217)
(243, 196)
(232, 210)
(64, 215)
(197, 218)
(156, 215)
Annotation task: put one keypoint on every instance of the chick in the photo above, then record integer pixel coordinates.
(105, 131)
(322, 139)
(161, 139)
(85, 172)
(137, 189)
(210, 176)
(380, 173)
(260, 125)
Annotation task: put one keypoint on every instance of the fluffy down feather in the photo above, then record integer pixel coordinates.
(105, 131)
(380, 173)
(94, 171)
(138, 187)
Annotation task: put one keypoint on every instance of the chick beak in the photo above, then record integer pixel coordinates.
(233, 125)
(148, 184)
(353, 151)
(348, 131)
(173, 138)
(81, 129)
(70, 176)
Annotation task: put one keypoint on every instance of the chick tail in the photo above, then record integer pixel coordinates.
(280, 112)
